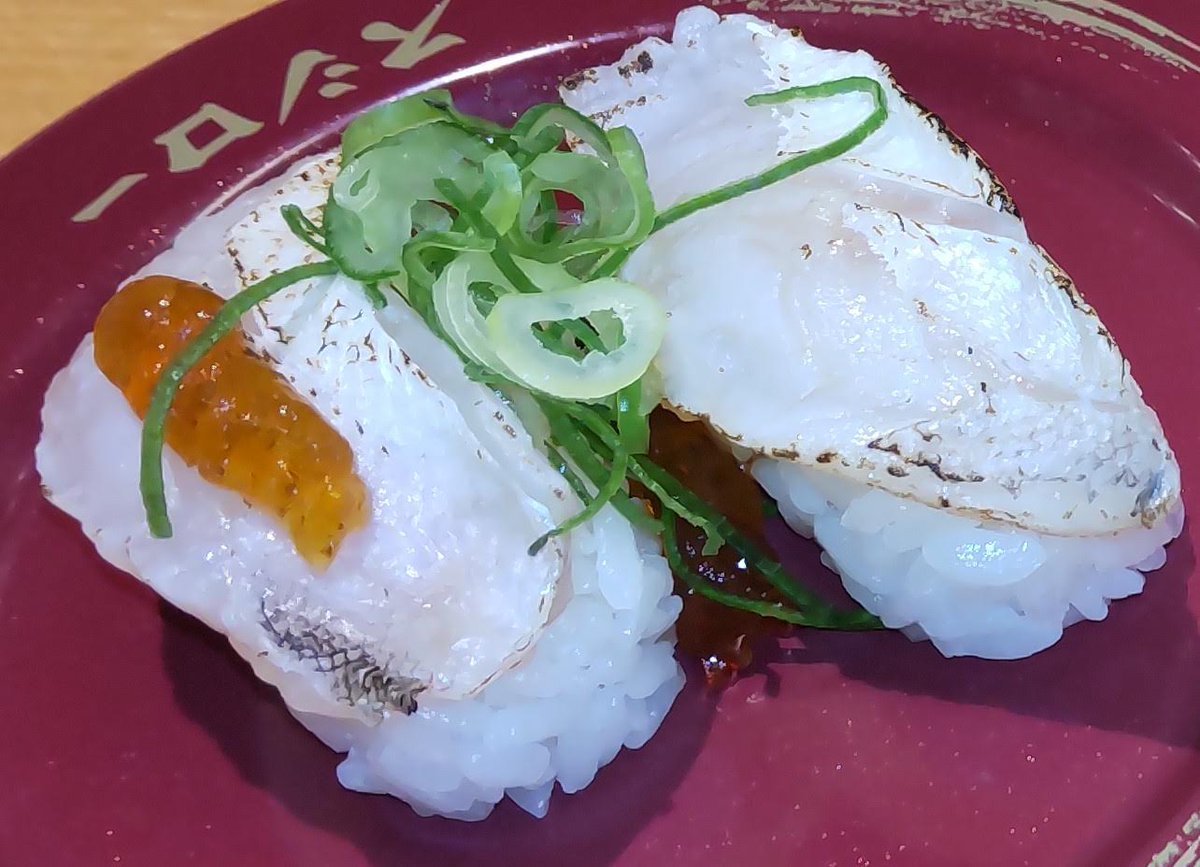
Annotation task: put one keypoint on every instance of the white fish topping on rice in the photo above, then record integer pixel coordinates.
(882, 320)
(437, 600)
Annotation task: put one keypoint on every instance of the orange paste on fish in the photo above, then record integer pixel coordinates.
(235, 420)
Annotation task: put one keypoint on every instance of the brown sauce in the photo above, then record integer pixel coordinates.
(722, 638)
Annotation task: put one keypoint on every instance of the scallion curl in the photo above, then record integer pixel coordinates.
(497, 198)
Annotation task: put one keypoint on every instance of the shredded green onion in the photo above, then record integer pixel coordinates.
(791, 166)
(633, 424)
(460, 217)
(818, 617)
(611, 487)
(801, 161)
(304, 228)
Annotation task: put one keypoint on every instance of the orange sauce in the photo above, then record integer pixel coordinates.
(721, 637)
(235, 420)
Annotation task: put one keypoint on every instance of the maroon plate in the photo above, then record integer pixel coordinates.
(132, 735)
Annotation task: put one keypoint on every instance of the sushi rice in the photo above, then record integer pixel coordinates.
(972, 589)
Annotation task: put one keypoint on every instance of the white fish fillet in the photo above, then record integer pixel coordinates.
(882, 319)
(454, 506)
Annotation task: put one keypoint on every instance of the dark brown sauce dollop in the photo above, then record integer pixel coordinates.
(722, 638)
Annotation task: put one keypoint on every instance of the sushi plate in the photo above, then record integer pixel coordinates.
(132, 735)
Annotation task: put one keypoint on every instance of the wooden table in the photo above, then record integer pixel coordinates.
(54, 54)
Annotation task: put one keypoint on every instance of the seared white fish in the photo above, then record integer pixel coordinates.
(452, 665)
(882, 323)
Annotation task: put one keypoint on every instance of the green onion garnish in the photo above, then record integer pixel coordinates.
(459, 217)
(801, 161)
(791, 166)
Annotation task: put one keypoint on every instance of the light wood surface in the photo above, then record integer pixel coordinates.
(55, 54)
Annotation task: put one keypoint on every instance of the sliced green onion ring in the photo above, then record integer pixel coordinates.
(393, 118)
(598, 374)
(544, 127)
(502, 183)
(370, 214)
(457, 312)
(416, 282)
(516, 269)
(618, 209)
(441, 101)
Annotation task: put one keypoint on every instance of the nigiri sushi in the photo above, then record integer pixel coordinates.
(918, 384)
(450, 665)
